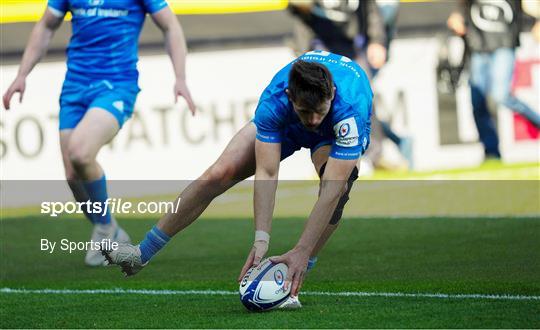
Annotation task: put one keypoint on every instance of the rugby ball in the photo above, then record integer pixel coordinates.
(262, 288)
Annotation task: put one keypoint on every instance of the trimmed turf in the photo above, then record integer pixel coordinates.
(108, 311)
(487, 256)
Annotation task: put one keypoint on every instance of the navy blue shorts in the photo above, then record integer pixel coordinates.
(294, 138)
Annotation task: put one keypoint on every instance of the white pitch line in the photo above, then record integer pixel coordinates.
(306, 293)
(474, 216)
(425, 295)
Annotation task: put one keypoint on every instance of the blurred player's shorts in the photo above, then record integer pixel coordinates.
(117, 98)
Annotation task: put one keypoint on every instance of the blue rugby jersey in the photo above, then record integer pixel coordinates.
(347, 124)
(105, 34)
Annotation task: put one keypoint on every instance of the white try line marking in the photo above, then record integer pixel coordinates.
(304, 293)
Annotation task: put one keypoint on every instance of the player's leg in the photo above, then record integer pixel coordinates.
(479, 84)
(73, 180)
(90, 116)
(72, 110)
(76, 184)
(236, 163)
(111, 104)
(502, 70)
(97, 128)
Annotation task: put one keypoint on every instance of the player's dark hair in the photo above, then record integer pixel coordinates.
(310, 84)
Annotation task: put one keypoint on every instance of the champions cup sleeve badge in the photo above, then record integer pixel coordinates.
(346, 132)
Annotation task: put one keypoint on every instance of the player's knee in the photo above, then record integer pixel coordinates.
(69, 172)
(79, 157)
(219, 172)
(71, 175)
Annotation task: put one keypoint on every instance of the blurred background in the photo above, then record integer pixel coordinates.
(422, 97)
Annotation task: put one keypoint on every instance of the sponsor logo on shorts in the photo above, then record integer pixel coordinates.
(119, 105)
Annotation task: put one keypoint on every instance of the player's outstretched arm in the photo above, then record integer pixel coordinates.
(267, 157)
(175, 43)
(35, 49)
(334, 184)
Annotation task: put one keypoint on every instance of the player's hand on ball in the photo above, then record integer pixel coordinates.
(296, 260)
(181, 89)
(258, 251)
(17, 86)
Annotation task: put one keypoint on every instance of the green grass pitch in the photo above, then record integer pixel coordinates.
(429, 255)
(432, 233)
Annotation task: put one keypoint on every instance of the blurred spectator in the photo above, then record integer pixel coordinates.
(491, 29)
(389, 12)
(360, 30)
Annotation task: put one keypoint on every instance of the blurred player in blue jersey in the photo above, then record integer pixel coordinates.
(321, 101)
(100, 87)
